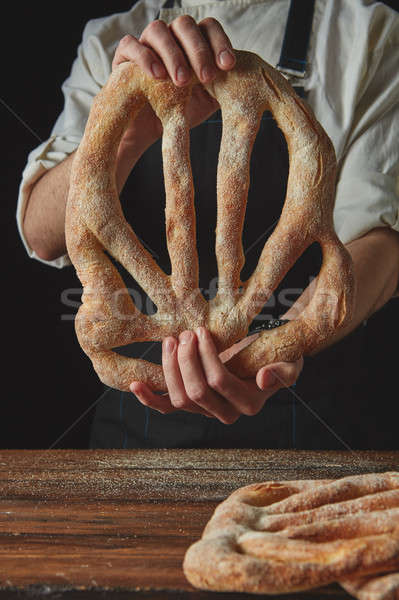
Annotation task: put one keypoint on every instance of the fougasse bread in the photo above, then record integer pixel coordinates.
(278, 537)
(95, 226)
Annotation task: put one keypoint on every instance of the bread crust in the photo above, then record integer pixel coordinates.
(108, 317)
(279, 537)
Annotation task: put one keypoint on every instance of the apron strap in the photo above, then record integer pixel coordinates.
(296, 38)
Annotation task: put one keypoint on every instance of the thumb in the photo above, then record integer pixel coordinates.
(278, 375)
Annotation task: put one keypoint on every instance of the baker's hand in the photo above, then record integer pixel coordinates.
(198, 381)
(177, 51)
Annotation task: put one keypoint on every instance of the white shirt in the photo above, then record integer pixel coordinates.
(352, 85)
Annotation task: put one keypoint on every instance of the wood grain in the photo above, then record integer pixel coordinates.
(74, 523)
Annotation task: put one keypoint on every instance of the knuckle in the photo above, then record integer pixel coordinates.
(201, 53)
(155, 26)
(125, 40)
(197, 394)
(229, 419)
(217, 382)
(250, 410)
(208, 22)
(142, 52)
(184, 21)
(180, 403)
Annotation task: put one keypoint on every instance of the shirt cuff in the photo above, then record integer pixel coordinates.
(41, 159)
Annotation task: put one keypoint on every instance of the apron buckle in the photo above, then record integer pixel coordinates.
(292, 74)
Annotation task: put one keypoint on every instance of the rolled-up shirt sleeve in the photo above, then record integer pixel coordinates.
(89, 72)
(367, 194)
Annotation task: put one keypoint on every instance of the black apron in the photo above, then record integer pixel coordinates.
(319, 410)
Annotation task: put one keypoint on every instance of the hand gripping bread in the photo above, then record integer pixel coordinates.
(279, 537)
(95, 222)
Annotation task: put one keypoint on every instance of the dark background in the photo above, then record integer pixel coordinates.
(47, 381)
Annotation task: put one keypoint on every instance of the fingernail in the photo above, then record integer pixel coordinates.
(181, 74)
(170, 345)
(226, 58)
(157, 70)
(185, 337)
(200, 331)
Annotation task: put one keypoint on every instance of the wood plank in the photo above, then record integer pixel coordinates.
(332, 592)
(76, 522)
(181, 475)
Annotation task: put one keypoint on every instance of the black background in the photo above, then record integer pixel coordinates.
(46, 381)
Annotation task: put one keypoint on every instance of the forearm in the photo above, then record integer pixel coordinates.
(376, 263)
(376, 267)
(44, 221)
(44, 218)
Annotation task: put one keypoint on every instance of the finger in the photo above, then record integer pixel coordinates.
(130, 49)
(160, 38)
(195, 383)
(278, 375)
(177, 392)
(195, 46)
(161, 403)
(219, 42)
(173, 378)
(222, 381)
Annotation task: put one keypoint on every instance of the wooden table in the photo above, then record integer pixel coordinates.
(115, 524)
